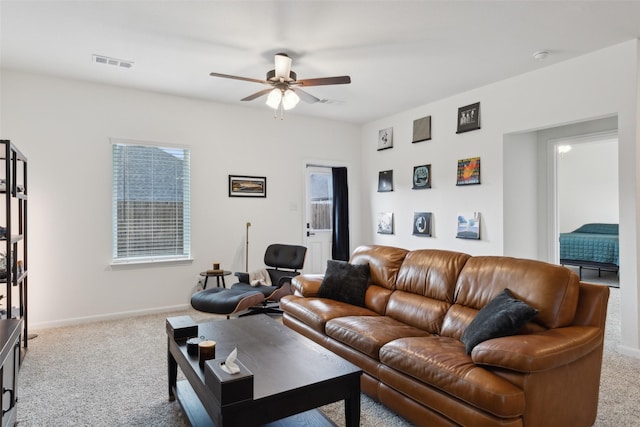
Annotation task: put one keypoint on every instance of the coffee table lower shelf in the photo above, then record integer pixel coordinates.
(198, 417)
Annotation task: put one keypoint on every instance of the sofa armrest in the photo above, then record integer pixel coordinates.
(307, 285)
(539, 351)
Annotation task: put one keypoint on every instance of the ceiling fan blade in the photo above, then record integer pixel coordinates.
(305, 96)
(257, 94)
(228, 76)
(283, 66)
(339, 80)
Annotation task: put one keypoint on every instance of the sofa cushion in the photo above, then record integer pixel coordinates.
(368, 333)
(431, 273)
(345, 282)
(443, 363)
(503, 316)
(384, 263)
(424, 288)
(551, 289)
(316, 312)
(418, 311)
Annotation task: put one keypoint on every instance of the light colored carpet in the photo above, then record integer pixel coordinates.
(114, 373)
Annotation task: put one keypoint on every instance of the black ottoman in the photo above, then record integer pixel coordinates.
(225, 301)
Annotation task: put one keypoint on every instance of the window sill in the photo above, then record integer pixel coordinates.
(148, 262)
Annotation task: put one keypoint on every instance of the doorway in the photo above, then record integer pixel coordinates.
(586, 182)
(318, 217)
(586, 186)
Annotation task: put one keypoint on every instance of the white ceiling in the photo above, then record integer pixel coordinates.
(399, 54)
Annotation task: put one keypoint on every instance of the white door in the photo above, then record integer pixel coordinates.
(318, 218)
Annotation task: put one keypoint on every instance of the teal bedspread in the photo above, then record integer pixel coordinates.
(595, 242)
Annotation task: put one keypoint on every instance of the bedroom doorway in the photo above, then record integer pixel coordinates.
(586, 188)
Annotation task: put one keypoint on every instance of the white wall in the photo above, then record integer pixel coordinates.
(601, 84)
(588, 184)
(64, 128)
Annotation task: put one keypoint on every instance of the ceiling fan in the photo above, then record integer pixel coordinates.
(284, 89)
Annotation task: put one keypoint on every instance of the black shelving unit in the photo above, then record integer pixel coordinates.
(14, 241)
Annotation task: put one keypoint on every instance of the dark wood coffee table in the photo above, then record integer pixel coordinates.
(292, 375)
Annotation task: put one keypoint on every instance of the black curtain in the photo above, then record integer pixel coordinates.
(340, 238)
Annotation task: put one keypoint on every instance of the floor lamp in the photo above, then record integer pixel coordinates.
(246, 253)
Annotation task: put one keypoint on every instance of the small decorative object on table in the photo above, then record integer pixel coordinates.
(206, 351)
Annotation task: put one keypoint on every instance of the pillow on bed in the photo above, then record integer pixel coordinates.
(345, 282)
(502, 316)
(598, 228)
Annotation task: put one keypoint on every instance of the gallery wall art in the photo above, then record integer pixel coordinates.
(385, 181)
(247, 186)
(468, 171)
(469, 118)
(421, 129)
(468, 225)
(385, 223)
(422, 224)
(385, 139)
(421, 177)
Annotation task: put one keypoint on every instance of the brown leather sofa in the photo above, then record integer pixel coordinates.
(407, 338)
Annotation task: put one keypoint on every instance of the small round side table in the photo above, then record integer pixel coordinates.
(217, 275)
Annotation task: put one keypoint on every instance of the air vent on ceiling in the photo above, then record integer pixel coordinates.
(100, 59)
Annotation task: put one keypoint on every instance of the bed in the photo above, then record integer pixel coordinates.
(592, 246)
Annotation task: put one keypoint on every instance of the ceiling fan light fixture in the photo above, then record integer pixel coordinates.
(274, 98)
(283, 66)
(290, 99)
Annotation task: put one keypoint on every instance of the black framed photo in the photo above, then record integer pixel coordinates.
(247, 186)
(385, 139)
(421, 177)
(422, 224)
(468, 171)
(385, 223)
(469, 118)
(421, 129)
(385, 181)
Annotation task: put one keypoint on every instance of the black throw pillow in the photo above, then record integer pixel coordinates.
(345, 282)
(502, 316)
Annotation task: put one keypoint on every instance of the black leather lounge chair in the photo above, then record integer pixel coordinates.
(283, 263)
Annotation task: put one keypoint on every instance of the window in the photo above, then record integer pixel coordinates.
(321, 200)
(151, 198)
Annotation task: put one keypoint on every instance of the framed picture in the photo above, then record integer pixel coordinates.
(385, 139)
(385, 223)
(421, 129)
(468, 225)
(385, 181)
(422, 224)
(247, 186)
(421, 177)
(468, 171)
(469, 118)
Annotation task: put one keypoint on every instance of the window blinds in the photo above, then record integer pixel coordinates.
(151, 203)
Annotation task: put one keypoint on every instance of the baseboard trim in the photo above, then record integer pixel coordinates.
(107, 316)
(629, 351)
